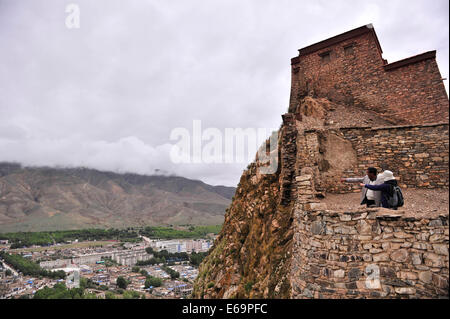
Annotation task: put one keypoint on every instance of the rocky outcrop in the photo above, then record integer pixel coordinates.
(251, 256)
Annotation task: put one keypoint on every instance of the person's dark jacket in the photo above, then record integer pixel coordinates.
(387, 191)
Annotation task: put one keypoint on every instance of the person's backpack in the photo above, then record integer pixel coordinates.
(396, 200)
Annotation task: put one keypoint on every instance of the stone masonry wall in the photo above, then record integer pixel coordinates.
(367, 253)
(412, 93)
(412, 89)
(418, 155)
(343, 78)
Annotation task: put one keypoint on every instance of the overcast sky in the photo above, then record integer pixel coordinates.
(108, 94)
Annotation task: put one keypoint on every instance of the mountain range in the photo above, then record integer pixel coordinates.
(46, 198)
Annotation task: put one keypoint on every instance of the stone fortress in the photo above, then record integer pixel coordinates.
(349, 69)
(349, 109)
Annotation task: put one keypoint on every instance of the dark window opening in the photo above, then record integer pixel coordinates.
(348, 50)
(326, 57)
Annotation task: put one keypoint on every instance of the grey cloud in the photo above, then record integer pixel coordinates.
(107, 95)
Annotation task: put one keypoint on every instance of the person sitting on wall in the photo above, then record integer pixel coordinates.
(369, 197)
(387, 189)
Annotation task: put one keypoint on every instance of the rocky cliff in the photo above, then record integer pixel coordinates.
(251, 256)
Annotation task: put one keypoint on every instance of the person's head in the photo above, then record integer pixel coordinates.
(388, 176)
(372, 173)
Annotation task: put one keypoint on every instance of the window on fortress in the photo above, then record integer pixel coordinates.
(348, 50)
(326, 57)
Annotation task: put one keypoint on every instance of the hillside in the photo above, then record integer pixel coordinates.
(36, 199)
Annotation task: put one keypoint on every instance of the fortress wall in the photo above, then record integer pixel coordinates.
(418, 155)
(366, 253)
(416, 93)
(345, 79)
(409, 91)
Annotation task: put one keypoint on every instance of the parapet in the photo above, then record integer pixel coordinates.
(366, 252)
